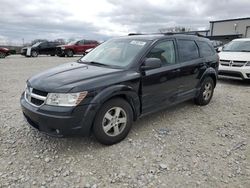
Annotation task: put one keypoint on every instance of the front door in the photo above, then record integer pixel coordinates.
(160, 86)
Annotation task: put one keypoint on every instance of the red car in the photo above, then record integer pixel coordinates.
(76, 47)
(4, 52)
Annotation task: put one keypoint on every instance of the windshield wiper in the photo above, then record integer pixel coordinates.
(93, 63)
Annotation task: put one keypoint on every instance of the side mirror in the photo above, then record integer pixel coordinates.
(151, 63)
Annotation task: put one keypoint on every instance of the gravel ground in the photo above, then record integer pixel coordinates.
(184, 146)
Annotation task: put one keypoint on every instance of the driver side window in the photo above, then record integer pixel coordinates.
(164, 51)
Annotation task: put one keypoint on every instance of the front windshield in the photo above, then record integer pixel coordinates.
(237, 46)
(116, 52)
(36, 44)
(72, 42)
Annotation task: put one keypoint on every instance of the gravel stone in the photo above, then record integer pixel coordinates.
(182, 146)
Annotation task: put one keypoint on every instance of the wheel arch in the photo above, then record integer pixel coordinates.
(210, 72)
(117, 91)
(120, 91)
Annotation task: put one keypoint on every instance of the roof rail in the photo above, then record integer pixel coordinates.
(132, 34)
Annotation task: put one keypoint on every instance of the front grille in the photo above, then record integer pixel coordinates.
(35, 97)
(232, 63)
(39, 92)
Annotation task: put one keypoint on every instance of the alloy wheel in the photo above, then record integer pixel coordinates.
(114, 121)
(207, 93)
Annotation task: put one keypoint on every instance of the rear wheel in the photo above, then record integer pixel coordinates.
(206, 92)
(2, 55)
(69, 53)
(113, 121)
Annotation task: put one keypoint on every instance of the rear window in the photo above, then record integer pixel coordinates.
(205, 49)
(188, 50)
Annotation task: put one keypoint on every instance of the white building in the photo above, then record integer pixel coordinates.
(230, 29)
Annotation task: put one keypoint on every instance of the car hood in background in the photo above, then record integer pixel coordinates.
(4, 49)
(74, 77)
(236, 56)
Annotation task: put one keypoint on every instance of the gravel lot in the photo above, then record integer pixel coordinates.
(184, 146)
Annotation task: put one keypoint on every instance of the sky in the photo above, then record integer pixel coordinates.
(27, 20)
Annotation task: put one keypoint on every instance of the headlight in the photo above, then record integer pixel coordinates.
(248, 63)
(65, 99)
(63, 48)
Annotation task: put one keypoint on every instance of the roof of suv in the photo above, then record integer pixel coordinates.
(162, 36)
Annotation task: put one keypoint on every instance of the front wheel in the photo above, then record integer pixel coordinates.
(2, 55)
(113, 121)
(34, 54)
(69, 53)
(206, 92)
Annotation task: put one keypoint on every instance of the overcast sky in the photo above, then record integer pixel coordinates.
(102, 19)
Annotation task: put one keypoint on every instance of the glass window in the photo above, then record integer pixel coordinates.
(164, 51)
(205, 49)
(237, 46)
(44, 45)
(188, 50)
(81, 42)
(116, 52)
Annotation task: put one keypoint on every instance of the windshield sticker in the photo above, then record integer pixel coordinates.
(136, 42)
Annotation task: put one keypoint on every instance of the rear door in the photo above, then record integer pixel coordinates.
(52, 48)
(160, 86)
(79, 47)
(43, 48)
(191, 65)
(88, 44)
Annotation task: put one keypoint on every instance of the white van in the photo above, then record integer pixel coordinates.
(235, 60)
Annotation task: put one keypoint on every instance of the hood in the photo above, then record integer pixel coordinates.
(236, 56)
(4, 49)
(73, 77)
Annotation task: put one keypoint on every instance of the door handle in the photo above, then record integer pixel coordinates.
(176, 70)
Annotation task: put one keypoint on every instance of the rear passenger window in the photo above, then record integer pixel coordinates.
(205, 49)
(164, 51)
(188, 50)
(87, 42)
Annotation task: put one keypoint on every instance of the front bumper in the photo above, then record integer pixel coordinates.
(239, 73)
(59, 121)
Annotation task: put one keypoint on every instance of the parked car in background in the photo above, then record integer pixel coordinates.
(4, 52)
(118, 82)
(235, 60)
(76, 47)
(217, 44)
(40, 48)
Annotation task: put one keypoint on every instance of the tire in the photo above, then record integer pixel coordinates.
(206, 92)
(69, 53)
(52, 54)
(2, 55)
(113, 121)
(34, 53)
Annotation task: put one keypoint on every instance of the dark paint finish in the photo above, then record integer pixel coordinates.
(45, 48)
(145, 90)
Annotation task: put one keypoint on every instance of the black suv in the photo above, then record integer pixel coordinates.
(118, 82)
(40, 48)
